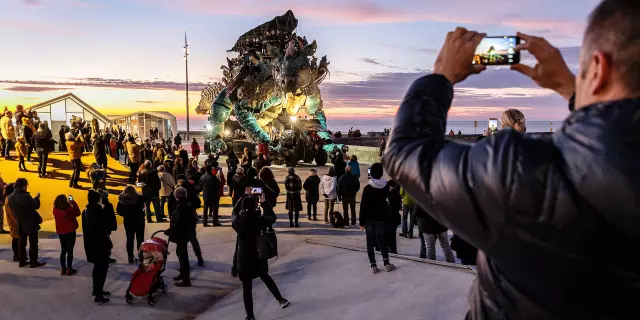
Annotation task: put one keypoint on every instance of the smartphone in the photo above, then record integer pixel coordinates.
(369, 173)
(493, 125)
(139, 184)
(256, 190)
(496, 51)
(70, 198)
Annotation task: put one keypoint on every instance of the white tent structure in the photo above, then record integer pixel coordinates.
(143, 121)
(58, 111)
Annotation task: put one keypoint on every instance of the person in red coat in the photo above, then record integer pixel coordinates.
(195, 149)
(66, 212)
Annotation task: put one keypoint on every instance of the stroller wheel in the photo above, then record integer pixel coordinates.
(129, 299)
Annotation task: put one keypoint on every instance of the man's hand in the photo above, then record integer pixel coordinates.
(551, 71)
(362, 228)
(456, 55)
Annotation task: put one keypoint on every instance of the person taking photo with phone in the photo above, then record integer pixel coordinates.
(66, 213)
(24, 207)
(538, 209)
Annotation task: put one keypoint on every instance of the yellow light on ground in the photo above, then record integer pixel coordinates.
(294, 118)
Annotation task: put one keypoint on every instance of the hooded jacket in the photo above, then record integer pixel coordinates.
(373, 206)
(131, 208)
(329, 186)
(556, 220)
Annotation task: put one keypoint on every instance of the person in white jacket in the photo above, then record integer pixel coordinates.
(328, 189)
(167, 186)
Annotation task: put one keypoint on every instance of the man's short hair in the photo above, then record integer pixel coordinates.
(21, 183)
(614, 29)
(376, 171)
(209, 168)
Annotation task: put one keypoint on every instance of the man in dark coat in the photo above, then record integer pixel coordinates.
(97, 227)
(348, 187)
(43, 146)
(24, 207)
(312, 195)
(61, 133)
(131, 208)
(151, 192)
(183, 221)
(100, 152)
(293, 185)
(210, 186)
(339, 165)
(556, 220)
(194, 201)
(177, 140)
(27, 131)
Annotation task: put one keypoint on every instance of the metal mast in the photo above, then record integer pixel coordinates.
(186, 67)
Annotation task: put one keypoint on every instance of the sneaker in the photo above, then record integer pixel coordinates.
(101, 300)
(63, 271)
(374, 269)
(234, 273)
(132, 260)
(315, 219)
(284, 303)
(297, 225)
(402, 234)
(37, 264)
(71, 271)
(104, 293)
(389, 267)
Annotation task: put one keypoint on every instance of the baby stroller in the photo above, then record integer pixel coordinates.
(147, 280)
(97, 176)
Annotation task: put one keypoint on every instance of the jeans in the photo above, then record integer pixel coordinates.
(21, 165)
(328, 210)
(43, 156)
(428, 250)
(99, 276)
(196, 244)
(211, 209)
(7, 147)
(29, 151)
(183, 258)
(33, 247)
(247, 294)
(133, 167)
(312, 207)
(390, 236)
(77, 169)
(156, 207)
(67, 242)
(349, 202)
(376, 235)
(407, 214)
(15, 246)
(138, 234)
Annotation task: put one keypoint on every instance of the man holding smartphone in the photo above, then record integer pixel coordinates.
(25, 207)
(556, 220)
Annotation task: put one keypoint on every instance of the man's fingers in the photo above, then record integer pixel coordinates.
(477, 38)
(523, 46)
(525, 37)
(459, 32)
(475, 69)
(524, 69)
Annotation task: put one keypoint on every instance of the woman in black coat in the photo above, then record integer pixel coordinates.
(180, 232)
(97, 226)
(131, 208)
(248, 223)
(434, 230)
(293, 184)
(312, 195)
(269, 185)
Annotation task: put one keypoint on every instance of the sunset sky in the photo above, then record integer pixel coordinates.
(126, 55)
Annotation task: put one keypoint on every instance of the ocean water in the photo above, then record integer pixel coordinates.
(467, 127)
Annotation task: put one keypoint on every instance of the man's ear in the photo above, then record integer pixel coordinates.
(601, 72)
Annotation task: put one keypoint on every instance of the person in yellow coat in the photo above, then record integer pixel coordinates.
(11, 221)
(21, 151)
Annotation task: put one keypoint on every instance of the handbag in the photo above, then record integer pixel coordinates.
(267, 244)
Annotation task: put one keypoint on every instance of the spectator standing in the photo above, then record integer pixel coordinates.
(209, 185)
(100, 151)
(184, 155)
(12, 222)
(194, 201)
(18, 116)
(27, 133)
(328, 189)
(312, 194)
(393, 218)
(61, 137)
(3, 199)
(248, 223)
(339, 165)
(8, 133)
(195, 149)
(96, 227)
(514, 119)
(74, 148)
(260, 162)
(24, 207)
(348, 187)
(373, 212)
(240, 183)
(131, 208)
(408, 214)
(433, 230)
(177, 141)
(355, 166)
(270, 186)
(247, 159)
(151, 192)
(21, 152)
(178, 168)
(183, 221)
(113, 148)
(293, 184)
(232, 160)
(167, 187)
(43, 146)
(134, 164)
(66, 213)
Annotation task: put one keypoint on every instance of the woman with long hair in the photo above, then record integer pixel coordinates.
(178, 168)
(66, 213)
(269, 186)
(328, 189)
(514, 118)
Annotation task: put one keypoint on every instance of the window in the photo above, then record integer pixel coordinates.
(46, 109)
(72, 106)
(58, 112)
(87, 116)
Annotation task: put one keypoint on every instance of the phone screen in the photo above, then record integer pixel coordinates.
(70, 198)
(497, 51)
(256, 191)
(493, 125)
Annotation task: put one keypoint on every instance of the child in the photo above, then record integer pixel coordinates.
(21, 150)
(312, 195)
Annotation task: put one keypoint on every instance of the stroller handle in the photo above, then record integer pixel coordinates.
(159, 231)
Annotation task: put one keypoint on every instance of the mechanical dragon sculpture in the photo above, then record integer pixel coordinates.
(274, 74)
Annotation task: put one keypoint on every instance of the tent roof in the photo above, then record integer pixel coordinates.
(160, 114)
(75, 98)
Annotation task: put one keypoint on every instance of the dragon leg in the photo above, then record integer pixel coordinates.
(248, 121)
(314, 109)
(220, 112)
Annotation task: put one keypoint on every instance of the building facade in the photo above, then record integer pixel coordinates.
(141, 123)
(59, 111)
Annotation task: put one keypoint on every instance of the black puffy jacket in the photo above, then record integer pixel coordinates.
(557, 220)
